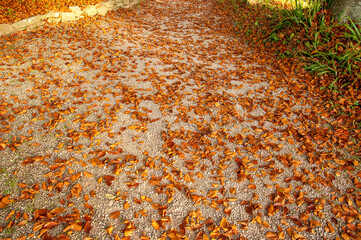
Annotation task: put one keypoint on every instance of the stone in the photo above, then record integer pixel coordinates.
(118, 3)
(21, 25)
(29, 23)
(67, 16)
(110, 5)
(344, 9)
(54, 20)
(133, 2)
(51, 14)
(6, 29)
(76, 10)
(90, 10)
(37, 22)
(101, 10)
(52, 17)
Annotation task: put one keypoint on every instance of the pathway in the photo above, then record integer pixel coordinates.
(160, 122)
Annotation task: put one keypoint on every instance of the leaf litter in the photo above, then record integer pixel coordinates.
(15, 10)
(157, 123)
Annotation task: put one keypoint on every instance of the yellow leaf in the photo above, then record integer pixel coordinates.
(109, 230)
(110, 196)
(126, 205)
(212, 194)
(128, 232)
(224, 224)
(155, 225)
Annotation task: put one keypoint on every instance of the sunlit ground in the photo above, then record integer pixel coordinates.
(281, 3)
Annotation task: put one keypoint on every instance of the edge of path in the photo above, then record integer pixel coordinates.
(76, 13)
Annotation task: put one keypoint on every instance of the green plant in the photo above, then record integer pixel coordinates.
(273, 37)
(10, 12)
(354, 31)
(30, 208)
(355, 104)
(303, 17)
(11, 184)
(9, 231)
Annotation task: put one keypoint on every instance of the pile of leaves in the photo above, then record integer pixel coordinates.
(15, 10)
(311, 39)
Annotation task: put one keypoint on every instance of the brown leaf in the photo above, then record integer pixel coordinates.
(115, 214)
(272, 235)
(228, 210)
(101, 154)
(87, 227)
(50, 225)
(10, 215)
(270, 210)
(294, 235)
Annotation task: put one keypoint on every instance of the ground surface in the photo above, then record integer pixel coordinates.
(158, 123)
(15, 10)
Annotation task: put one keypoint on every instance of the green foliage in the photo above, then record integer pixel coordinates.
(303, 17)
(354, 32)
(340, 60)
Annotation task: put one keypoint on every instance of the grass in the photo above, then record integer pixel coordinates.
(10, 185)
(309, 36)
(10, 182)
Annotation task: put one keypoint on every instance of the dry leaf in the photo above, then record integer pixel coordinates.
(155, 225)
(115, 214)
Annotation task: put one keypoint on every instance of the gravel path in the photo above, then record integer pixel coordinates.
(158, 122)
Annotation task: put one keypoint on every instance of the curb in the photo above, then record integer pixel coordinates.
(56, 17)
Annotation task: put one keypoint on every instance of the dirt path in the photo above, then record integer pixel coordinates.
(159, 122)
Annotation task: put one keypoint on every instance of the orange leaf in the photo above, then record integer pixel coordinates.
(76, 226)
(126, 205)
(87, 174)
(272, 235)
(212, 194)
(76, 190)
(109, 230)
(128, 232)
(155, 225)
(115, 215)
(224, 224)
(50, 225)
